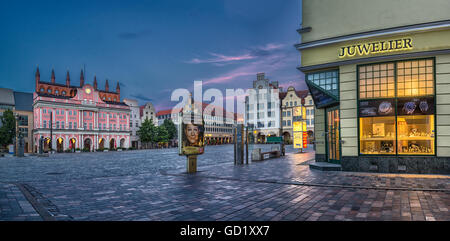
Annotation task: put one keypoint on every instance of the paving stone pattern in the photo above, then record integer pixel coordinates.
(152, 185)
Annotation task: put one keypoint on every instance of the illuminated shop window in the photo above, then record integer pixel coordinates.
(376, 81)
(401, 123)
(415, 78)
(416, 134)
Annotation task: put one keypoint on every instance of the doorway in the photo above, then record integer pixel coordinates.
(333, 144)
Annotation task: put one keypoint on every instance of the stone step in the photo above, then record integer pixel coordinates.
(325, 166)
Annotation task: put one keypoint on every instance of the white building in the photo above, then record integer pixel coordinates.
(262, 108)
(135, 121)
(148, 111)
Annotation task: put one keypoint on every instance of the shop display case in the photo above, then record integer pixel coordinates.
(377, 135)
(416, 135)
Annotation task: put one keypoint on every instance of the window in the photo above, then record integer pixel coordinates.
(295, 103)
(284, 113)
(62, 125)
(57, 125)
(70, 125)
(310, 102)
(288, 113)
(325, 80)
(62, 112)
(90, 126)
(307, 122)
(45, 124)
(44, 111)
(57, 112)
(23, 120)
(397, 113)
(75, 125)
(284, 123)
(415, 78)
(289, 122)
(376, 81)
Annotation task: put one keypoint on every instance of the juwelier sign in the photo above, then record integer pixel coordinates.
(377, 47)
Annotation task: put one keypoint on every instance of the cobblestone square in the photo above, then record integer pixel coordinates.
(152, 185)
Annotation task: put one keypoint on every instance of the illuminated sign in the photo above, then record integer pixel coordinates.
(377, 47)
(297, 126)
(305, 139)
(298, 139)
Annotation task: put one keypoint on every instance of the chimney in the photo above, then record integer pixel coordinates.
(68, 79)
(81, 79)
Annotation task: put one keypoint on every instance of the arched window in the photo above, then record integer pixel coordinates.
(56, 92)
(63, 92)
(42, 90)
(49, 90)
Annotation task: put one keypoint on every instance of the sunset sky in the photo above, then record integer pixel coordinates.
(151, 47)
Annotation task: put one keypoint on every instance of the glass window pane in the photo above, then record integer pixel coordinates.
(416, 135)
(377, 135)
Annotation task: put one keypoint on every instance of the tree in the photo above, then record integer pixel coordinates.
(147, 132)
(8, 128)
(162, 134)
(171, 129)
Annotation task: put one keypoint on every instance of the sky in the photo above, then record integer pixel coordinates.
(151, 47)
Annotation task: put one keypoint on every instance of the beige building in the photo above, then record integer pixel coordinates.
(379, 77)
(289, 100)
(22, 106)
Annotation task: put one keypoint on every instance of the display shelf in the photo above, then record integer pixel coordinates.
(416, 138)
(416, 153)
(378, 139)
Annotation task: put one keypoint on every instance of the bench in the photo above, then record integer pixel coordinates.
(257, 155)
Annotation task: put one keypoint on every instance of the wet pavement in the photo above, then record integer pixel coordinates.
(153, 185)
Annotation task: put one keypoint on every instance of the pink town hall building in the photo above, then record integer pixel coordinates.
(83, 117)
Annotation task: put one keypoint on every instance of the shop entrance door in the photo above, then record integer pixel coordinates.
(333, 144)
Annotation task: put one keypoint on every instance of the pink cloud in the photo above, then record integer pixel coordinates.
(220, 58)
(267, 64)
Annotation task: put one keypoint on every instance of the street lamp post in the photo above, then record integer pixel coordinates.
(16, 138)
(51, 131)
